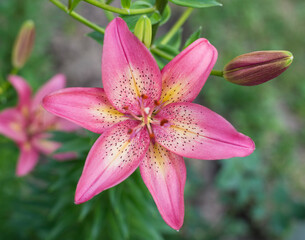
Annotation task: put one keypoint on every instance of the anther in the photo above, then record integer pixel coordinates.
(129, 131)
(125, 107)
(163, 121)
(144, 96)
(157, 103)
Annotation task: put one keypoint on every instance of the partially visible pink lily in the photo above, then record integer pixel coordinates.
(147, 120)
(28, 124)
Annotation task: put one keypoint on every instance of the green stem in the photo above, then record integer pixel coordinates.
(217, 73)
(177, 25)
(169, 57)
(78, 17)
(161, 53)
(120, 10)
(14, 71)
(109, 15)
(160, 6)
(69, 4)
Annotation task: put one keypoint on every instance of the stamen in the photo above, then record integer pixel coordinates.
(129, 131)
(158, 107)
(156, 102)
(135, 131)
(131, 114)
(163, 122)
(144, 96)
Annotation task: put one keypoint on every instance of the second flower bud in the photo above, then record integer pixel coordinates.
(143, 30)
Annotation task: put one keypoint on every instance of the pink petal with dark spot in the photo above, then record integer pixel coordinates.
(164, 174)
(197, 132)
(87, 107)
(111, 160)
(185, 75)
(128, 69)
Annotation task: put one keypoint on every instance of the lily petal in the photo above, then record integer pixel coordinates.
(65, 156)
(185, 75)
(164, 174)
(11, 125)
(65, 125)
(87, 107)
(113, 157)
(55, 83)
(42, 144)
(196, 132)
(128, 69)
(24, 92)
(28, 159)
(46, 146)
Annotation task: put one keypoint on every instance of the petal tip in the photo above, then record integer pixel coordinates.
(177, 225)
(21, 171)
(78, 199)
(249, 145)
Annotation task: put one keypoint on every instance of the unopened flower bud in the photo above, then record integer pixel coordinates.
(126, 3)
(257, 67)
(23, 44)
(143, 30)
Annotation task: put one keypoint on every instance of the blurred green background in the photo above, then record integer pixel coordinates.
(258, 197)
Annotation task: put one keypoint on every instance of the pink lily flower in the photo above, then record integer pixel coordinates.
(28, 124)
(147, 120)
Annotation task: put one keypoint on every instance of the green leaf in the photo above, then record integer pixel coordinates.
(133, 19)
(142, 4)
(76, 145)
(195, 35)
(97, 36)
(166, 14)
(125, 3)
(196, 3)
(176, 40)
(74, 4)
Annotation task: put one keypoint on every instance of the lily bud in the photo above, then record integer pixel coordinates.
(257, 67)
(23, 44)
(143, 30)
(126, 3)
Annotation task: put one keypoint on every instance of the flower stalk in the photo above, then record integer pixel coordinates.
(120, 10)
(177, 26)
(78, 17)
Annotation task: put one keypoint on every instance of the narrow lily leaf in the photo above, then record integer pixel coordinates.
(176, 40)
(86, 208)
(196, 3)
(142, 4)
(78, 145)
(166, 14)
(132, 20)
(97, 36)
(74, 4)
(125, 3)
(195, 35)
